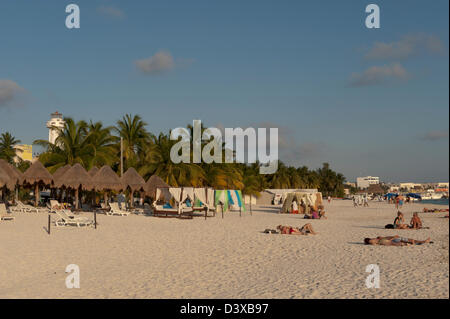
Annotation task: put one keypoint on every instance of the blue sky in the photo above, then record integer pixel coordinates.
(368, 101)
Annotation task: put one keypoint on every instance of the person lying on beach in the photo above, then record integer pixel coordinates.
(304, 230)
(395, 241)
(434, 210)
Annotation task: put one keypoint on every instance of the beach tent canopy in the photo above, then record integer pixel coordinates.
(153, 183)
(131, 179)
(106, 179)
(94, 170)
(59, 173)
(313, 199)
(13, 173)
(390, 195)
(413, 195)
(230, 199)
(75, 177)
(5, 180)
(37, 173)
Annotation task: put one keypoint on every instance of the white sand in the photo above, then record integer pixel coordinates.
(148, 257)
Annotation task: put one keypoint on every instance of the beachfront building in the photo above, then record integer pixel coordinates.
(55, 123)
(410, 186)
(366, 181)
(24, 153)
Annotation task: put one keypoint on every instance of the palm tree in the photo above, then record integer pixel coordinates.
(135, 137)
(7, 147)
(103, 143)
(157, 161)
(71, 147)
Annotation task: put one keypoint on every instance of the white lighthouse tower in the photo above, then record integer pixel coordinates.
(56, 122)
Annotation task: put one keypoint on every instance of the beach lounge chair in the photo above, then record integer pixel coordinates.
(115, 210)
(66, 220)
(22, 208)
(56, 206)
(4, 215)
(160, 211)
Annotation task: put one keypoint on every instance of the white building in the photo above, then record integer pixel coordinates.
(55, 123)
(409, 186)
(364, 182)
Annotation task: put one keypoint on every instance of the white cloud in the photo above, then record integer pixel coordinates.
(159, 63)
(407, 46)
(376, 75)
(9, 90)
(436, 135)
(111, 11)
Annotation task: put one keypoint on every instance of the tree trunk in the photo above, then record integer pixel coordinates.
(77, 195)
(36, 194)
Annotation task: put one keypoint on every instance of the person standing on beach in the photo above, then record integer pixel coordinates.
(329, 199)
(366, 201)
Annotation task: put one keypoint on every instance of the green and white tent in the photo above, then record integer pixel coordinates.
(231, 200)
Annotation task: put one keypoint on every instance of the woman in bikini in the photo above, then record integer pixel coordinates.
(395, 241)
(304, 230)
(399, 221)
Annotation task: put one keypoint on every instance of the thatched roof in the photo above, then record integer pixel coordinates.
(106, 179)
(94, 170)
(37, 173)
(12, 172)
(133, 180)
(60, 172)
(375, 189)
(152, 184)
(75, 177)
(6, 180)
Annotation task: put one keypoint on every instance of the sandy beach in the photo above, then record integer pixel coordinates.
(148, 257)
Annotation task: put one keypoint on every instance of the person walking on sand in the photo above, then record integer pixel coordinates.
(329, 199)
(366, 201)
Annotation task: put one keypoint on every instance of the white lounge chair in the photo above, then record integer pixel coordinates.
(66, 220)
(115, 210)
(4, 215)
(22, 208)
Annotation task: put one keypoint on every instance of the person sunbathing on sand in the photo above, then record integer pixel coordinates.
(434, 210)
(395, 241)
(304, 230)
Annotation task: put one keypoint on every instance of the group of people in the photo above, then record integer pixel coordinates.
(309, 211)
(360, 201)
(289, 230)
(399, 222)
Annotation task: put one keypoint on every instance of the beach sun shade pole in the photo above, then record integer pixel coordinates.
(95, 219)
(36, 194)
(49, 223)
(221, 205)
(121, 156)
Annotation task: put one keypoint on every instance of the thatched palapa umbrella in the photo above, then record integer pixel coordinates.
(132, 180)
(106, 180)
(59, 173)
(152, 184)
(37, 175)
(76, 178)
(13, 173)
(6, 182)
(94, 170)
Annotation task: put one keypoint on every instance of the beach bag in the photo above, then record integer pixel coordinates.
(389, 226)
